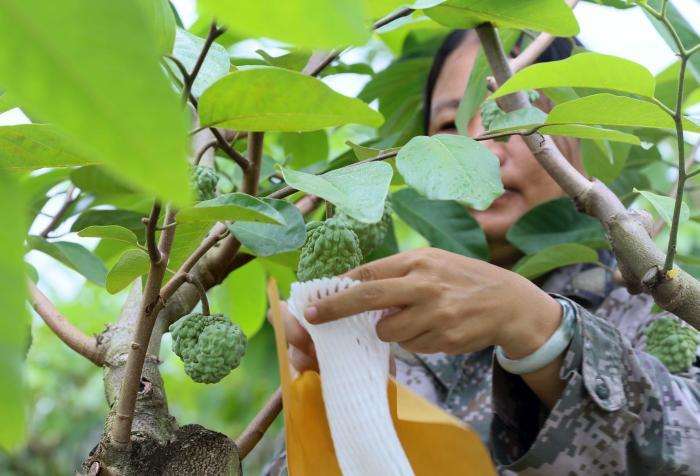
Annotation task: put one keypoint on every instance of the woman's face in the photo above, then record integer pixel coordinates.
(525, 181)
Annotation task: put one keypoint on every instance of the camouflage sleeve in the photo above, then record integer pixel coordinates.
(621, 412)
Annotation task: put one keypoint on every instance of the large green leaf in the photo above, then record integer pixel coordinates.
(160, 17)
(603, 160)
(665, 205)
(35, 146)
(15, 324)
(125, 218)
(306, 23)
(549, 259)
(590, 132)
(92, 69)
(216, 64)
(187, 238)
(445, 224)
(613, 110)
(552, 16)
(131, 264)
(358, 190)
(95, 179)
(277, 99)
(265, 239)
(242, 297)
(584, 70)
(451, 167)
(554, 223)
(231, 206)
(306, 148)
(73, 255)
(476, 90)
(110, 232)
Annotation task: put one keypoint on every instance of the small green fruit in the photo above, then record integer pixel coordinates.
(674, 344)
(204, 180)
(370, 235)
(331, 248)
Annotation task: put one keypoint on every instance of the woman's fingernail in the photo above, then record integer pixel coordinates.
(311, 314)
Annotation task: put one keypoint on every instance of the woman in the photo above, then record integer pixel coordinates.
(594, 405)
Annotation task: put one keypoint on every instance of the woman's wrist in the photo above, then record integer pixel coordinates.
(533, 323)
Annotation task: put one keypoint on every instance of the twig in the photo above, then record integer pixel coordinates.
(390, 18)
(120, 433)
(190, 278)
(56, 220)
(259, 425)
(73, 337)
(189, 79)
(329, 210)
(204, 150)
(151, 226)
(535, 48)
(251, 176)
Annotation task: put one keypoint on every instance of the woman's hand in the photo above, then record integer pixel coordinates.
(445, 302)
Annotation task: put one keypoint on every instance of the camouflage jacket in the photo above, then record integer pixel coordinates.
(621, 412)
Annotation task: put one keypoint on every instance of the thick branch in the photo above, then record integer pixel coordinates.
(256, 429)
(251, 176)
(640, 261)
(120, 434)
(151, 227)
(73, 337)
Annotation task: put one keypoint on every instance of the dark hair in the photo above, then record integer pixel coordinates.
(559, 49)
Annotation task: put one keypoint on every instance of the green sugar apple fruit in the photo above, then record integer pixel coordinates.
(204, 180)
(210, 346)
(674, 344)
(370, 235)
(331, 248)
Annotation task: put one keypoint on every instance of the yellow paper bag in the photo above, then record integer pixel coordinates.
(435, 442)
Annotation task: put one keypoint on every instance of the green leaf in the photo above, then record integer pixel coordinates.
(518, 119)
(558, 256)
(625, 183)
(264, 239)
(294, 60)
(551, 16)
(187, 49)
(388, 247)
(242, 296)
(451, 167)
(358, 190)
(589, 132)
(665, 205)
(132, 264)
(476, 90)
(277, 99)
(110, 232)
(554, 223)
(73, 255)
(584, 70)
(28, 147)
(305, 148)
(98, 180)
(159, 16)
(125, 218)
(305, 23)
(445, 224)
(16, 321)
(91, 68)
(602, 160)
(613, 110)
(380, 8)
(232, 206)
(187, 239)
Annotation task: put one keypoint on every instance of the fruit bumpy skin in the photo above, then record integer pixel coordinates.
(210, 346)
(675, 345)
(370, 235)
(331, 248)
(204, 180)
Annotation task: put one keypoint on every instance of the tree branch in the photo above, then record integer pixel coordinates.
(258, 426)
(88, 347)
(660, 223)
(640, 261)
(189, 79)
(120, 433)
(58, 216)
(151, 227)
(251, 176)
